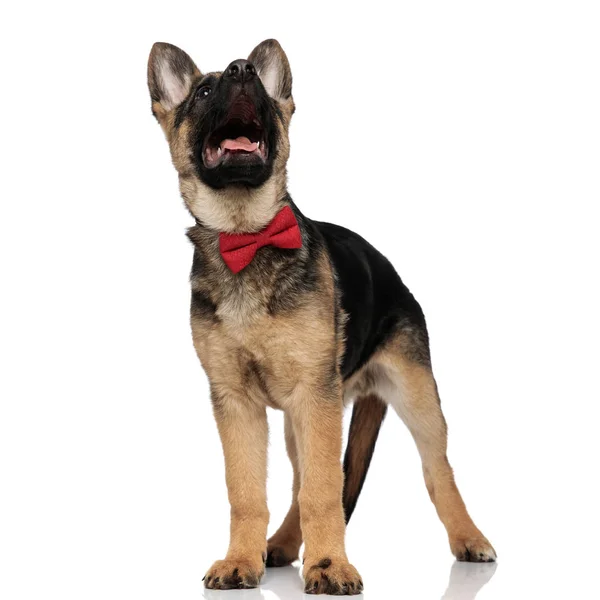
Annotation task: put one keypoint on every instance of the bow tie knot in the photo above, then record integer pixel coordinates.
(238, 249)
(262, 239)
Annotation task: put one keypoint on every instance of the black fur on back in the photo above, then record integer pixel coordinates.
(371, 293)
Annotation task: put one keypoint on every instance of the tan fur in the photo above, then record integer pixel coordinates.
(235, 208)
(244, 435)
(400, 374)
(420, 410)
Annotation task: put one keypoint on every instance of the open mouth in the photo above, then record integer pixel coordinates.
(239, 140)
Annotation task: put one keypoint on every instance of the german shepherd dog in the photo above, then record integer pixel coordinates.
(293, 314)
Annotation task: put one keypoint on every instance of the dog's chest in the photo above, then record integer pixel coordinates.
(265, 331)
(250, 351)
(239, 309)
(259, 355)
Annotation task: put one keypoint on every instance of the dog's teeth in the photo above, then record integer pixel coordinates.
(219, 151)
(258, 145)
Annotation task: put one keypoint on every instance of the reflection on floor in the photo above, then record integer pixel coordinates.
(466, 579)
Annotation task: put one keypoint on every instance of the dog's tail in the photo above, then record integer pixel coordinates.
(367, 416)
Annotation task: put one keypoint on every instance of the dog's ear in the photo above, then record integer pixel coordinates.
(170, 75)
(273, 69)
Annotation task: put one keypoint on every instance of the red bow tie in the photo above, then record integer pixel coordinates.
(238, 249)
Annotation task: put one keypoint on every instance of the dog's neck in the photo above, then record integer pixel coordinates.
(236, 209)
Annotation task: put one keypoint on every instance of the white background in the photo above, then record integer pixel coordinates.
(461, 138)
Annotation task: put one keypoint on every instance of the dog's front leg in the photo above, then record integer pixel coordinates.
(243, 428)
(317, 421)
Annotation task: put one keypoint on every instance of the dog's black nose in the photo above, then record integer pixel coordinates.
(240, 70)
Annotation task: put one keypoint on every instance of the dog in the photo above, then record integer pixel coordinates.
(292, 314)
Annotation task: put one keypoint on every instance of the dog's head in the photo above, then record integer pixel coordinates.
(227, 131)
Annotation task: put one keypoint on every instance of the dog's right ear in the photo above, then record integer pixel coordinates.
(170, 75)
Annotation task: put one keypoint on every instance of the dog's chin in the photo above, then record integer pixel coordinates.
(248, 170)
(236, 166)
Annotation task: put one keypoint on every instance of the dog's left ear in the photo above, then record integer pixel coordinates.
(273, 69)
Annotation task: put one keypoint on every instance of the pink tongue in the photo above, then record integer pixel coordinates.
(241, 143)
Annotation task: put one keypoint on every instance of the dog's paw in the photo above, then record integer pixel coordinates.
(475, 549)
(232, 574)
(281, 553)
(280, 556)
(335, 577)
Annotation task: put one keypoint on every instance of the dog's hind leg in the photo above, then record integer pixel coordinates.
(413, 394)
(284, 545)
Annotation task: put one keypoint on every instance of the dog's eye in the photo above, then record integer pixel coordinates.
(204, 91)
